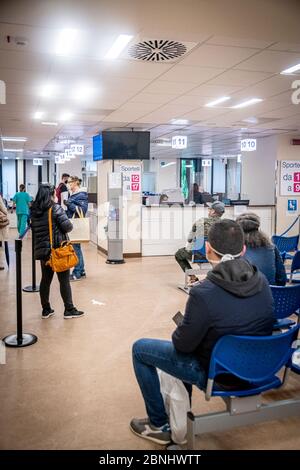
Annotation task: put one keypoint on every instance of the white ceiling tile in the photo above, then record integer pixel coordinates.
(287, 111)
(239, 78)
(238, 42)
(112, 84)
(163, 86)
(157, 98)
(214, 91)
(204, 113)
(217, 56)
(270, 61)
(285, 46)
(135, 69)
(25, 61)
(185, 73)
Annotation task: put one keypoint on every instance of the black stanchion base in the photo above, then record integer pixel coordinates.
(120, 261)
(27, 340)
(31, 289)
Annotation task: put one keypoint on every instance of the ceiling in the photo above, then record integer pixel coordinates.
(235, 48)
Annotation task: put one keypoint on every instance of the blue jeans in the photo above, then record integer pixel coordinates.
(149, 354)
(79, 268)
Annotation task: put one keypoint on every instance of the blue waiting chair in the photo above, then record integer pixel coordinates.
(198, 248)
(286, 303)
(286, 245)
(295, 268)
(255, 362)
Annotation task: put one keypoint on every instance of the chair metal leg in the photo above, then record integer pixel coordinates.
(221, 421)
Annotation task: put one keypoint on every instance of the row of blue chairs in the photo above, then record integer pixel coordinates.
(258, 365)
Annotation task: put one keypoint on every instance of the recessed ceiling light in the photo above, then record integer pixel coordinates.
(179, 122)
(65, 116)
(247, 103)
(38, 115)
(48, 90)
(14, 139)
(292, 69)
(118, 46)
(82, 92)
(17, 158)
(5, 158)
(12, 150)
(49, 123)
(218, 101)
(65, 41)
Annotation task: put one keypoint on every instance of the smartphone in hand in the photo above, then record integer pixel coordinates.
(178, 317)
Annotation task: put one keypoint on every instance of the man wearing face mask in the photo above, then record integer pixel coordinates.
(61, 191)
(234, 299)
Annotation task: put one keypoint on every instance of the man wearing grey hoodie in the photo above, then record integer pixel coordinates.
(234, 299)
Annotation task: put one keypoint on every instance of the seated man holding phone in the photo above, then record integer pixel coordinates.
(235, 298)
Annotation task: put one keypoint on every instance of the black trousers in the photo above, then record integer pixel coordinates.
(183, 256)
(64, 284)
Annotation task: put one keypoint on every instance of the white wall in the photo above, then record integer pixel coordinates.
(9, 178)
(166, 176)
(73, 168)
(31, 178)
(258, 172)
(286, 151)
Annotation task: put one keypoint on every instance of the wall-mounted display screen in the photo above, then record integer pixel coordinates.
(118, 145)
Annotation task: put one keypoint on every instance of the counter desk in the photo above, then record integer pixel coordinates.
(164, 229)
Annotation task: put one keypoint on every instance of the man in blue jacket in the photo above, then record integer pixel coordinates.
(77, 202)
(235, 298)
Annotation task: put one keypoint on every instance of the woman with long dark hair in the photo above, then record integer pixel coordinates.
(260, 250)
(45, 199)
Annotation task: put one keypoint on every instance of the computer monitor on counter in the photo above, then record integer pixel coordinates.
(175, 195)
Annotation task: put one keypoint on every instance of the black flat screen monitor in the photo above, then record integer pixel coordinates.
(125, 145)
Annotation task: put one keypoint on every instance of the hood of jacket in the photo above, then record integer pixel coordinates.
(238, 277)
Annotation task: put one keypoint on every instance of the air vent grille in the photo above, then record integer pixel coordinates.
(157, 50)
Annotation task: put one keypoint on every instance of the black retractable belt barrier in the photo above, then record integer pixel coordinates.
(33, 287)
(20, 339)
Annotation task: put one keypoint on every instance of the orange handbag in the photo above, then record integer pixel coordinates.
(62, 258)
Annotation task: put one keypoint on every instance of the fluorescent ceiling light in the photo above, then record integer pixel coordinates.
(17, 158)
(218, 101)
(38, 115)
(65, 41)
(180, 122)
(65, 116)
(48, 90)
(49, 123)
(5, 158)
(168, 164)
(164, 144)
(14, 139)
(292, 69)
(247, 103)
(189, 166)
(82, 92)
(118, 46)
(12, 150)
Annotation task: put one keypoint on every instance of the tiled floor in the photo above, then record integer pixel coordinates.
(75, 388)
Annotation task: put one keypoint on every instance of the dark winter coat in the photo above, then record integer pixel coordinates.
(61, 226)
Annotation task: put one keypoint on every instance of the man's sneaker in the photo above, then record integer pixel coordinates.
(83, 274)
(143, 428)
(73, 313)
(74, 278)
(47, 312)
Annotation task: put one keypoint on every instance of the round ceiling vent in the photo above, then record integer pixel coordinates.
(157, 50)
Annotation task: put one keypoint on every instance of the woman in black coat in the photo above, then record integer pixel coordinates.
(61, 226)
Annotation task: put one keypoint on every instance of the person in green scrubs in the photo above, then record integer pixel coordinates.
(22, 200)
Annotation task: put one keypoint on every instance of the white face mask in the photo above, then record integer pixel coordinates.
(225, 257)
